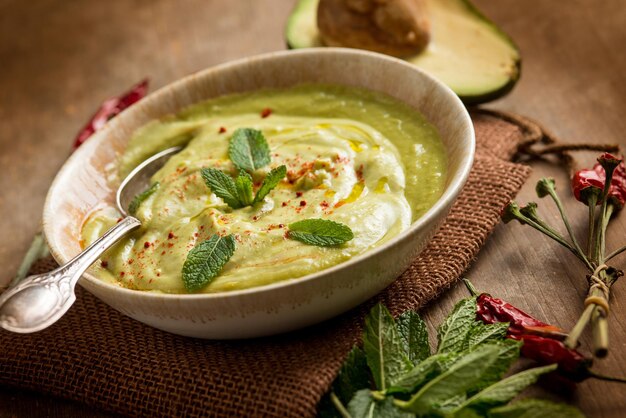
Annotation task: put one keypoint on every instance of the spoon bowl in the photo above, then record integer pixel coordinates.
(39, 301)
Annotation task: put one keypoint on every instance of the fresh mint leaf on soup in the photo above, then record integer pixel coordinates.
(138, 200)
(222, 185)
(270, 182)
(206, 260)
(320, 232)
(237, 193)
(243, 184)
(248, 149)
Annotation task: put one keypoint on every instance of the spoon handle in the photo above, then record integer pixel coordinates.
(25, 309)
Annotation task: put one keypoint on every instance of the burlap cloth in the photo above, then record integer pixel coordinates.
(98, 356)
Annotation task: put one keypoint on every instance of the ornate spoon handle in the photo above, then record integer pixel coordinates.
(39, 301)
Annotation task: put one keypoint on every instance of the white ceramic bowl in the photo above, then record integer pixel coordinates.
(291, 304)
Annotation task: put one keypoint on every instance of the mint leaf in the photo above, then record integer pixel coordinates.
(243, 184)
(363, 405)
(508, 353)
(320, 232)
(414, 336)
(352, 376)
(454, 383)
(248, 149)
(222, 185)
(418, 375)
(505, 390)
(269, 182)
(482, 333)
(138, 200)
(206, 260)
(453, 332)
(383, 348)
(534, 408)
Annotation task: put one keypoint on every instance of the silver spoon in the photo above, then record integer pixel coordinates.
(39, 301)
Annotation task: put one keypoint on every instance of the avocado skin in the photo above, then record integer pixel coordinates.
(469, 100)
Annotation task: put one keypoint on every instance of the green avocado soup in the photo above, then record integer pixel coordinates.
(353, 156)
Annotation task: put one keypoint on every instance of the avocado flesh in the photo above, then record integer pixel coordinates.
(467, 52)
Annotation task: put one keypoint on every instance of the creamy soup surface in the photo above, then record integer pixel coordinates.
(353, 156)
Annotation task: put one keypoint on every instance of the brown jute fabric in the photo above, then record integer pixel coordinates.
(98, 356)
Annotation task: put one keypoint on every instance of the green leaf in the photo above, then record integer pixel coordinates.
(535, 408)
(320, 232)
(453, 333)
(352, 376)
(505, 390)
(383, 348)
(484, 333)
(243, 184)
(270, 182)
(420, 374)
(508, 353)
(414, 335)
(248, 149)
(363, 405)
(222, 185)
(455, 382)
(206, 260)
(138, 200)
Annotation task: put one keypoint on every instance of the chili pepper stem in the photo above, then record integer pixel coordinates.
(606, 378)
(616, 253)
(568, 226)
(572, 339)
(470, 287)
(339, 406)
(558, 238)
(591, 203)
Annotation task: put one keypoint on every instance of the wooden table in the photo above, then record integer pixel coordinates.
(59, 59)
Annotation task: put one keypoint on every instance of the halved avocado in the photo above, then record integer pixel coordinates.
(467, 51)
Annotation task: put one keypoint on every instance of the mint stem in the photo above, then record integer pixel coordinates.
(470, 287)
(340, 408)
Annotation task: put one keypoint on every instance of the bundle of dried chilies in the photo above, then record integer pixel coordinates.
(603, 189)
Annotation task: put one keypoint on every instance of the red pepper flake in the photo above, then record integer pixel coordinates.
(170, 245)
(122, 273)
(266, 112)
(255, 218)
(284, 204)
(158, 275)
(146, 244)
(119, 220)
(303, 203)
(104, 264)
(171, 235)
(163, 252)
(281, 225)
(324, 204)
(131, 261)
(299, 194)
(222, 130)
(195, 234)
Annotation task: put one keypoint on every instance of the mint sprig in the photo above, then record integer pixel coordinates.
(206, 260)
(464, 379)
(248, 149)
(238, 193)
(139, 199)
(320, 232)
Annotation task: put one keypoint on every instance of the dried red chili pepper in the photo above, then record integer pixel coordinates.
(544, 350)
(490, 310)
(585, 180)
(109, 109)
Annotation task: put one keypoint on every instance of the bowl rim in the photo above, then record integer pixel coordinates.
(448, 196)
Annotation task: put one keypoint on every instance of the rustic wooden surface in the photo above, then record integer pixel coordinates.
(59, 59)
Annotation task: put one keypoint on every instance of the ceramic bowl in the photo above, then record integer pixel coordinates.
(81, 185)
